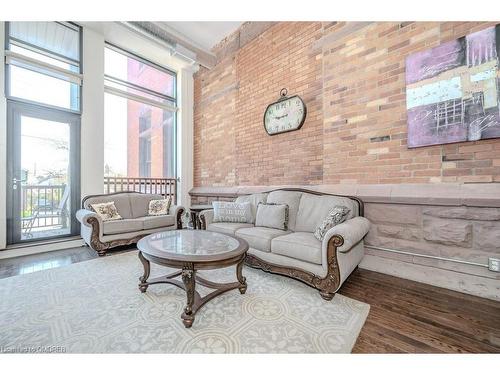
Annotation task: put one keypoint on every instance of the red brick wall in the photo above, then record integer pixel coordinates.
(353, 82)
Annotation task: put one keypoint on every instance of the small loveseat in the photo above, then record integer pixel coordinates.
(296, 252)
(135, 223)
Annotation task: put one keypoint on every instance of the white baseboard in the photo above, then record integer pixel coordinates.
(460, 282)
(39, 248)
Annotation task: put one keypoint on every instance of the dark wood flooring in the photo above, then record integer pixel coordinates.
(405, 316)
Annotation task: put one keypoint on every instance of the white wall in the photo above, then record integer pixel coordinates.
(92, 131)
(3, 144)
(185, 136)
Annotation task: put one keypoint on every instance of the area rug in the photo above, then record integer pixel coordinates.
(96, 307)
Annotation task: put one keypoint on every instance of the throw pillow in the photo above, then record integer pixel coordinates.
(159, 207)
(337, 215)
(272, 215)
(107, 211)
(232, 212)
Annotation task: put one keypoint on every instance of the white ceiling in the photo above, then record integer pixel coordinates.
(204, 34)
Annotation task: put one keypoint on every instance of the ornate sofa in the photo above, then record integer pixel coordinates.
(297, 252)
(136, 223)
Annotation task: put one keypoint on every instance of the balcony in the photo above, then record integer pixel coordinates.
(45, 210)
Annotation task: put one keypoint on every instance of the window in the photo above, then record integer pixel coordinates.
(139, 123)
(43, 85)
(42, 58)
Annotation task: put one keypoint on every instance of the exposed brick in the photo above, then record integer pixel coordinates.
(355, 92)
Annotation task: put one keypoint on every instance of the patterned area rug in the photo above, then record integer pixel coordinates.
(96, 307)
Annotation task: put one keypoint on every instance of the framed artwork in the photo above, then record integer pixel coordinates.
(453, 90)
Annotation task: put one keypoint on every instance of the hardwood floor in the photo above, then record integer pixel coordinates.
(410, 317)
(405, 316)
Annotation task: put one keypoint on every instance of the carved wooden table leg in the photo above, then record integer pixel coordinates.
(242, 279)
(143, 286)
(188, 278)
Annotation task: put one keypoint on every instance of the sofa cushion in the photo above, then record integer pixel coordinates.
(272, 216)
(232, 212)
(314, 208)
(259, 238)
(254, 200)
(122, 226)
(122, 203)
(299, 245)
(227, 228)
(291, 198)
(140, 203)
(107, 211)
(159, 221)
(159, 207)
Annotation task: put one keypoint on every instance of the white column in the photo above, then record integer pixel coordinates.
(3, 143)
(92, 132)
(185, 134)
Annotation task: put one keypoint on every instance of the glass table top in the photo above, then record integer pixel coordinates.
(188, 243)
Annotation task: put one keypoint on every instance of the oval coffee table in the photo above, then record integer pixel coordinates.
(190, 251)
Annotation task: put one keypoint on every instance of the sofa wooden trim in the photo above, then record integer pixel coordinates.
(327, 285)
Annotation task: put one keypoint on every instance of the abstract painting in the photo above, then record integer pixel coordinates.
(453, 90)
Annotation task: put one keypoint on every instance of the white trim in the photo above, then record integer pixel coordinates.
(138, 98)
(20, 60)
(3, 145)
(185, 136)
(40, 248)
(92, 129)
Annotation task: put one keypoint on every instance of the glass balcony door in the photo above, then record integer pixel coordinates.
(43, 173)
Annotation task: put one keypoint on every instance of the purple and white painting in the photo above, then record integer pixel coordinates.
(453, 91)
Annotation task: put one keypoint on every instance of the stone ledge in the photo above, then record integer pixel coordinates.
(474, 195)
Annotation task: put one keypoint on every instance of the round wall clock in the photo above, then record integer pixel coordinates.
(285, 115)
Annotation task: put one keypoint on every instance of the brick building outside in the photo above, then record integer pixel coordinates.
(150, 130)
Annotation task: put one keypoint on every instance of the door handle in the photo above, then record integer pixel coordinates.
(15, 181)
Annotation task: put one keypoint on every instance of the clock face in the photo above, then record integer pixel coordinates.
(285, 115)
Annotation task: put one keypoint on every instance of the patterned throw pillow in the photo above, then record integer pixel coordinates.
(337, 215)
(272, 215)
(159, 207)
(107, 211)
(232, 212)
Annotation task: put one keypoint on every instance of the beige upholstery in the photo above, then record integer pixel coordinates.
(208, 215)
(151, 222)
(292, 199)
(254, 200)
(352, 231)
(259, 237)
(227, 228)
(313, 209)
(298, 248)
(122, 203)
(122, 226)
(299, 245)
(133, 207)
(140, 203)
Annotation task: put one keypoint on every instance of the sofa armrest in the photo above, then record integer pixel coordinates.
(177, 211)
(206, 217)
(84, 215)
(351, 231)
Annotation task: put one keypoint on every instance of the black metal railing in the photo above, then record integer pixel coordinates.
(161, 186)
(43, 205)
